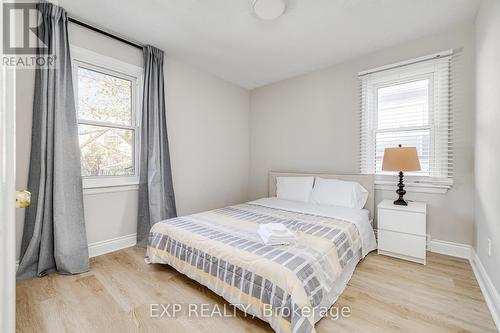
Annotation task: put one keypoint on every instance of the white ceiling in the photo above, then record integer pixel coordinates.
(224, 38)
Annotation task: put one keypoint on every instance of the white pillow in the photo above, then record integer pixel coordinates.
(334, 192)
(294, 188)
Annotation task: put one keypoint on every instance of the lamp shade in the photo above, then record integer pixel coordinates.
(401, 159)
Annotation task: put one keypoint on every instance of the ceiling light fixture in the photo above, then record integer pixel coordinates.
(268, 9)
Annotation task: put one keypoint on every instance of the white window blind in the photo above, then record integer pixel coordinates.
(409, 104)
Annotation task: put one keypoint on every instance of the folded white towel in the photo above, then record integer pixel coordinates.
(269, 233)
(276, 234)
(274, 227)
(273, 241)
(287, 236)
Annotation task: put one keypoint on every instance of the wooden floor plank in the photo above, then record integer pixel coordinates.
(384, 295)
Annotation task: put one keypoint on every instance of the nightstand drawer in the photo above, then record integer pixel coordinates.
(401, 244)
(407, 222)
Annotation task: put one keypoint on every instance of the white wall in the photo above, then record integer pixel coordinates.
(208, 134)
(487, 200)
(310, 123)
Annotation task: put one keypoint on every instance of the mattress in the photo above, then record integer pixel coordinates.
(290, 287)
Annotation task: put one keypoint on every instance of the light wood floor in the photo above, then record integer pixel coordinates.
(384, 295)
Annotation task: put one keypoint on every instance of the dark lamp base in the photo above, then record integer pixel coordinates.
(401, 202)
(401, 192)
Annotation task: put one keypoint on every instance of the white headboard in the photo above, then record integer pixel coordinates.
(367, 181)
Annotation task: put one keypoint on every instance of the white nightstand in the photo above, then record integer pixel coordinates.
(402, 230)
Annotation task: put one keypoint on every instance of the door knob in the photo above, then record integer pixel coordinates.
(23, 199)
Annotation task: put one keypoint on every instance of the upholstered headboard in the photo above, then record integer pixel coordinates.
(365, 180)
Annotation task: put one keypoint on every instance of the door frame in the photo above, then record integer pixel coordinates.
(7, 195)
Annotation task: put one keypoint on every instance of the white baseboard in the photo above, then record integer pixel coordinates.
(111, 245)
(489, 291)
(450, 248)
(107, 246)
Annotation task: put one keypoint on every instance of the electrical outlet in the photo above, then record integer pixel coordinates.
(489, 247)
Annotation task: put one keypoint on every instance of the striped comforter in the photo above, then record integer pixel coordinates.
(287, 286)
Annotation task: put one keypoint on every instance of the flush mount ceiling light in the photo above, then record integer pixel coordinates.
(268, 9)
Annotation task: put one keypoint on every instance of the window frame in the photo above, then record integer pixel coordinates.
(83, 58)
(431, 109)
(410, 71)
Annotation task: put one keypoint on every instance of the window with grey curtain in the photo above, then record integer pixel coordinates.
(54, 236)
(156, 193)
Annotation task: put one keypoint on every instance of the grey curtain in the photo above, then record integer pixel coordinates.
(156, 193)
(54, 237)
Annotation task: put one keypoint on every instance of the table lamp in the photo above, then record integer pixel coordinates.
(401, 159)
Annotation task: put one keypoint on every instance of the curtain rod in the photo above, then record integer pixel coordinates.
(93, 28)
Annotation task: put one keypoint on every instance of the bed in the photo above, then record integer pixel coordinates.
(290, 287)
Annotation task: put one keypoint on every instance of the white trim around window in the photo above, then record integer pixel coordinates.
(107, 65)
(387, 185)
(409, 103)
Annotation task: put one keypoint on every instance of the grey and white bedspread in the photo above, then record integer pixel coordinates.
(287, 286)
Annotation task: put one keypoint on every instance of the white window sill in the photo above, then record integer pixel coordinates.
(99, 185)
(386, 185)
(110, 189)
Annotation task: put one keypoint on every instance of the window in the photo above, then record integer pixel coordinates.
(107, 96)
(408, 104)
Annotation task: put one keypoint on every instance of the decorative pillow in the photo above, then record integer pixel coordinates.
(294, 188)
(334, 192)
